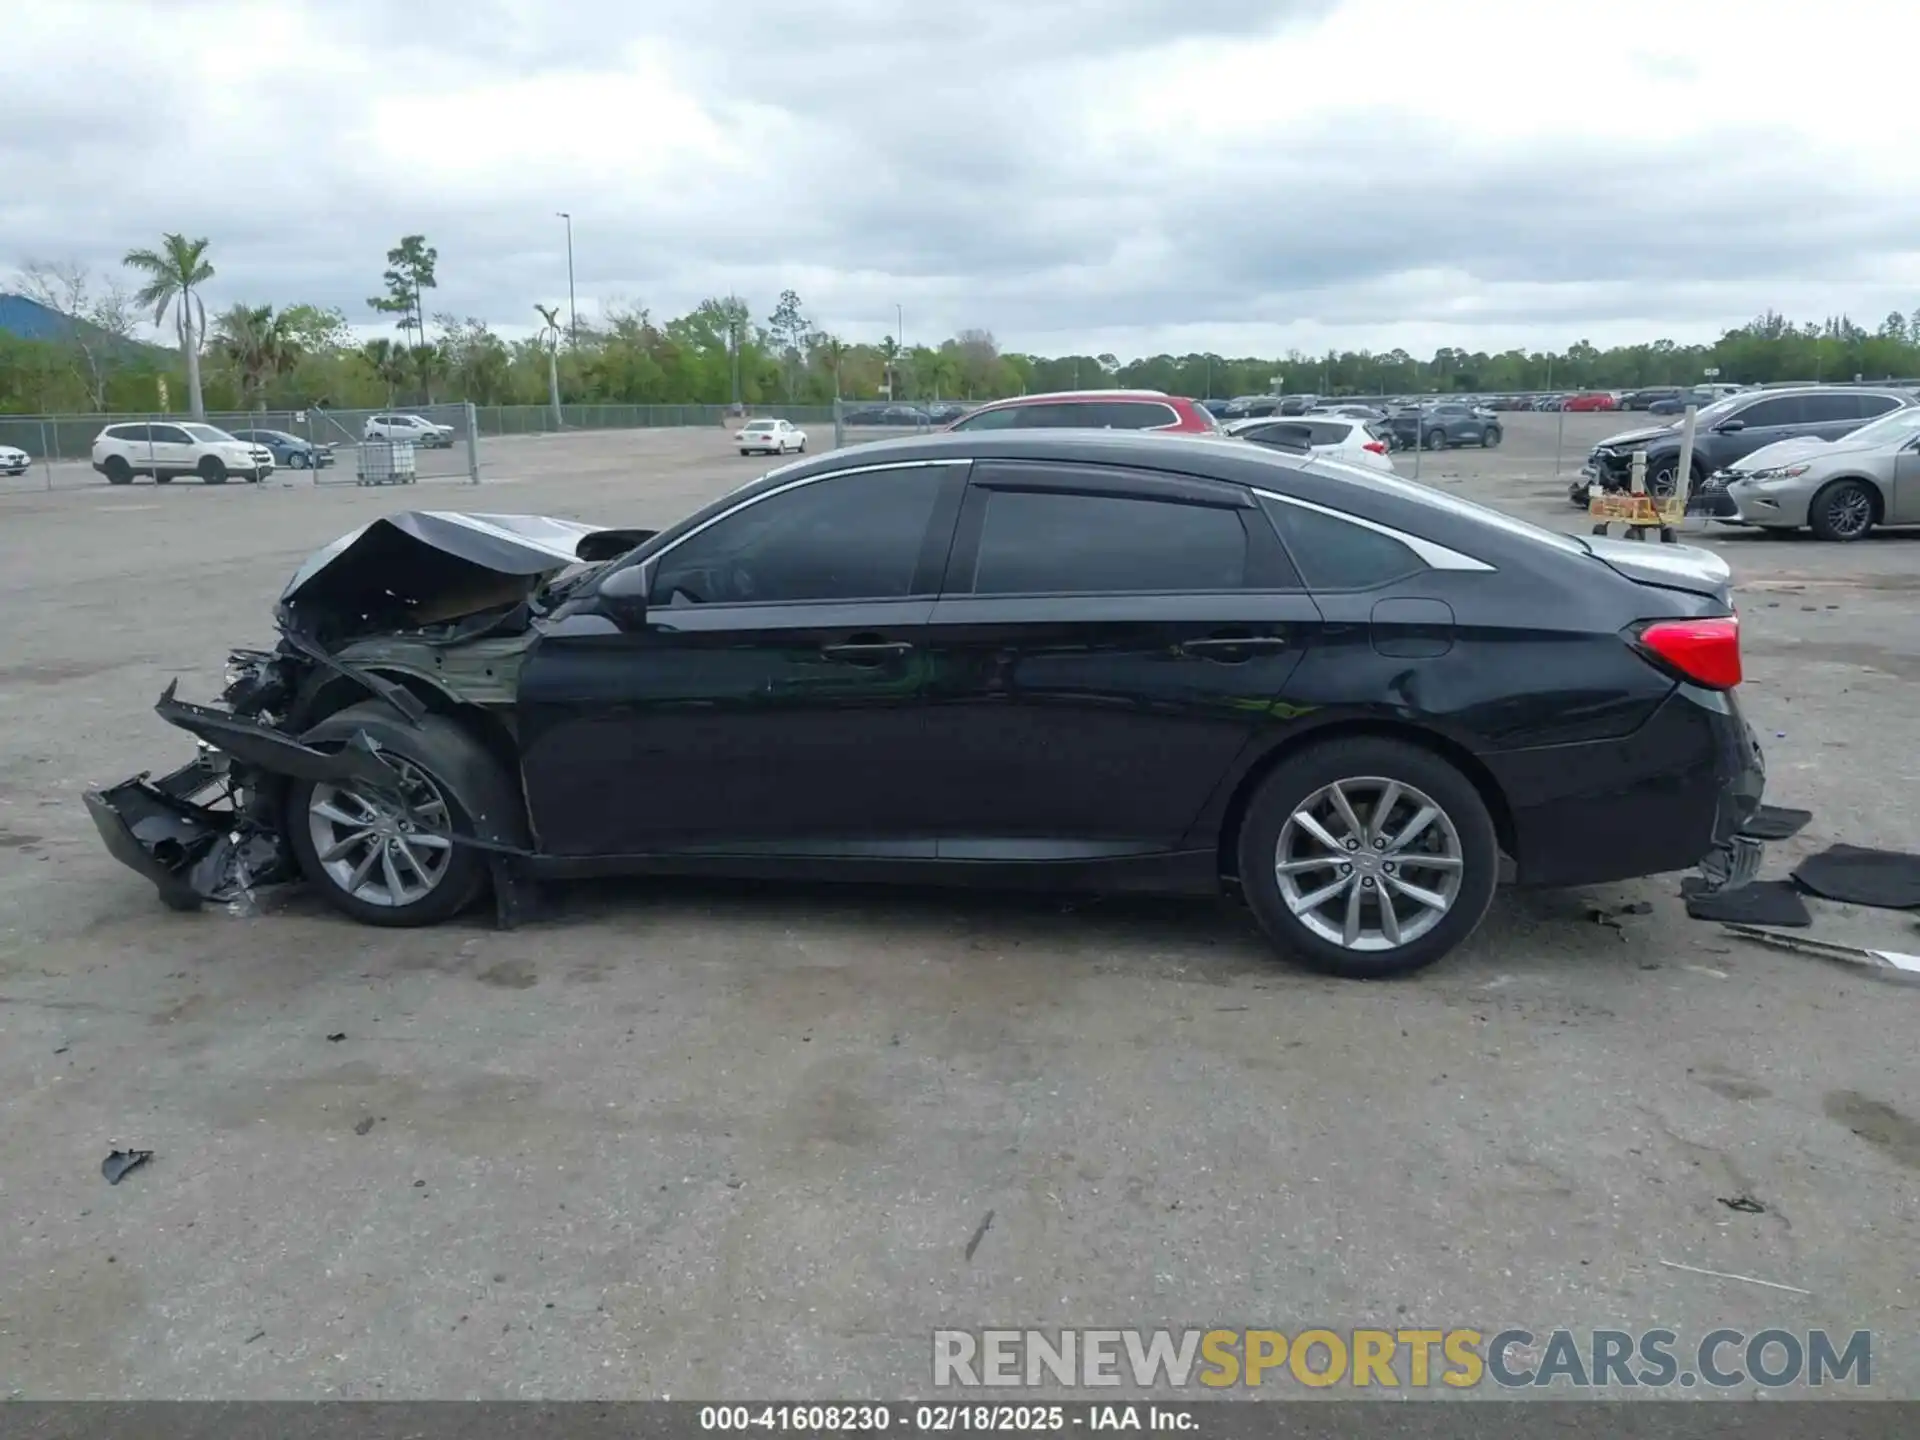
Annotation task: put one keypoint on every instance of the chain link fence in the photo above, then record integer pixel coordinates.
(426, 442)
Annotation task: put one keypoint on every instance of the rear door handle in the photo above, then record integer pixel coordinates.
(867, 652)
(1227, 645)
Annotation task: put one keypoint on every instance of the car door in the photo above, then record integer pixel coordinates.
(174, 452)
(1903, 505)
(771, 699)
(1835, 414)
(1774, 417)
(1105, 644)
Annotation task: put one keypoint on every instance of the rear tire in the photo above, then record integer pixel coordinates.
(118, 471)
(1446, 868)
(440, 749)
(1490, 437)
(1842, 511)
(212, 469)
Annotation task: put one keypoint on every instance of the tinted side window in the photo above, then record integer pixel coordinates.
(169, 435)
(1827, 409)
(1872, 406)
(1334, 554)
(1782, 410)
(1061, 543)
(1296, 435)
(850, 537)
(1054, 417)
(127, 432)
(1129, 415)
(1005, 419)
(1327, 432)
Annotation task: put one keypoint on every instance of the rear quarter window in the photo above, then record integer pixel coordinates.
(1335, 554)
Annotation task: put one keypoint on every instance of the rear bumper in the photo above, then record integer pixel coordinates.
(1675, 795)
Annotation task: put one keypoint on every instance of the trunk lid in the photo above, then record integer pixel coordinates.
(1686, 568)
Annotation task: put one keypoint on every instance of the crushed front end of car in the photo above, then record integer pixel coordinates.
(210, 830)
(418, 603)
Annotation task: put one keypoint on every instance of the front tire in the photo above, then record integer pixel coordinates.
(1841, 511)
(1436, 440)
(212, 469)
(1490, 437)
(297, 460)
(1367, 858)
(371, 861)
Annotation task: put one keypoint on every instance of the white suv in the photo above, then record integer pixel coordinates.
(121, 452)
(408, 427)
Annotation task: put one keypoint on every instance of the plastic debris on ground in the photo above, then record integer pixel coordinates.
(1856, 875)
(1894, 965)
(1764, 902)
(120, 1163)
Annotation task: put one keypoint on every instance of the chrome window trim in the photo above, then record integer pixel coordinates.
(647, 565)
(1436, 556)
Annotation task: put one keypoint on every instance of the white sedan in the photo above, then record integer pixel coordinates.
(770, 437)
(1338, 437)
(14, 461)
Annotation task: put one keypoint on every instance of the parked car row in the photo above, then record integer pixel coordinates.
(1837, 459)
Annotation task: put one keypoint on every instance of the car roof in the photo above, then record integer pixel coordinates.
(1365, 494)
(1075, 396)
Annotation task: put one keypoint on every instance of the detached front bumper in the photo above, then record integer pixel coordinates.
(211, 830)
(193, 852)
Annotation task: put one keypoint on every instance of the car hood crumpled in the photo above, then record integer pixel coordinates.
(424, 566)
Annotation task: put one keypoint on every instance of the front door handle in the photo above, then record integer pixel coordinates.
(1241, 646)
(867, 652)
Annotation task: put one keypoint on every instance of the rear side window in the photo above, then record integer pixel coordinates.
(1336, 554)
(126, 432)
(1329, 432)
(1827, 409)
(1296, 435)
(1872, 406)
(1061, 543)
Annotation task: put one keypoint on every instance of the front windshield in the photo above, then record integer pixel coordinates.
(1889, 429)
(207, 435)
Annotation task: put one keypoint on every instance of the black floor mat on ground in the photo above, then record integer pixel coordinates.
(1776, 822)
(1854, 875)
(1764, 902)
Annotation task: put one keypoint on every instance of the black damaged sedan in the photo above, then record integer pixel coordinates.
(1064, 659)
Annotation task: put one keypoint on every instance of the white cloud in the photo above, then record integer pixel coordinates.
(1126, 175)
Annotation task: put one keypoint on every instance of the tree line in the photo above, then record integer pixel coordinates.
(263, 356)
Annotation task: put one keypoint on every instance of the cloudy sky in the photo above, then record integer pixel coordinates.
(1244, 176)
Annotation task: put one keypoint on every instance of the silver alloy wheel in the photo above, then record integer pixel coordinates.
(1369, 863)
(1849, 513)
(373, 849)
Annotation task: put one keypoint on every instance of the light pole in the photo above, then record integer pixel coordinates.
(573, 311)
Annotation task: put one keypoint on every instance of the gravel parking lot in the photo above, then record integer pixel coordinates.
(709, 1140)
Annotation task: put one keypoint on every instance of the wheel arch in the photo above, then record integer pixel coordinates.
(1454, 753)
(334, 693)
(1872, 485)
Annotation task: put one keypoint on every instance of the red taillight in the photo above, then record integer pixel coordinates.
(1377, 447)
(1706, 652)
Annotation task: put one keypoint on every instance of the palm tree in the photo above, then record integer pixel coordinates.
(890, 356)
(388, 362)
(550, 337)
(834, 351)
(260, 344)
(173, 274)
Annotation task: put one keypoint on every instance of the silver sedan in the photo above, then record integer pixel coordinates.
(1839, 489)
